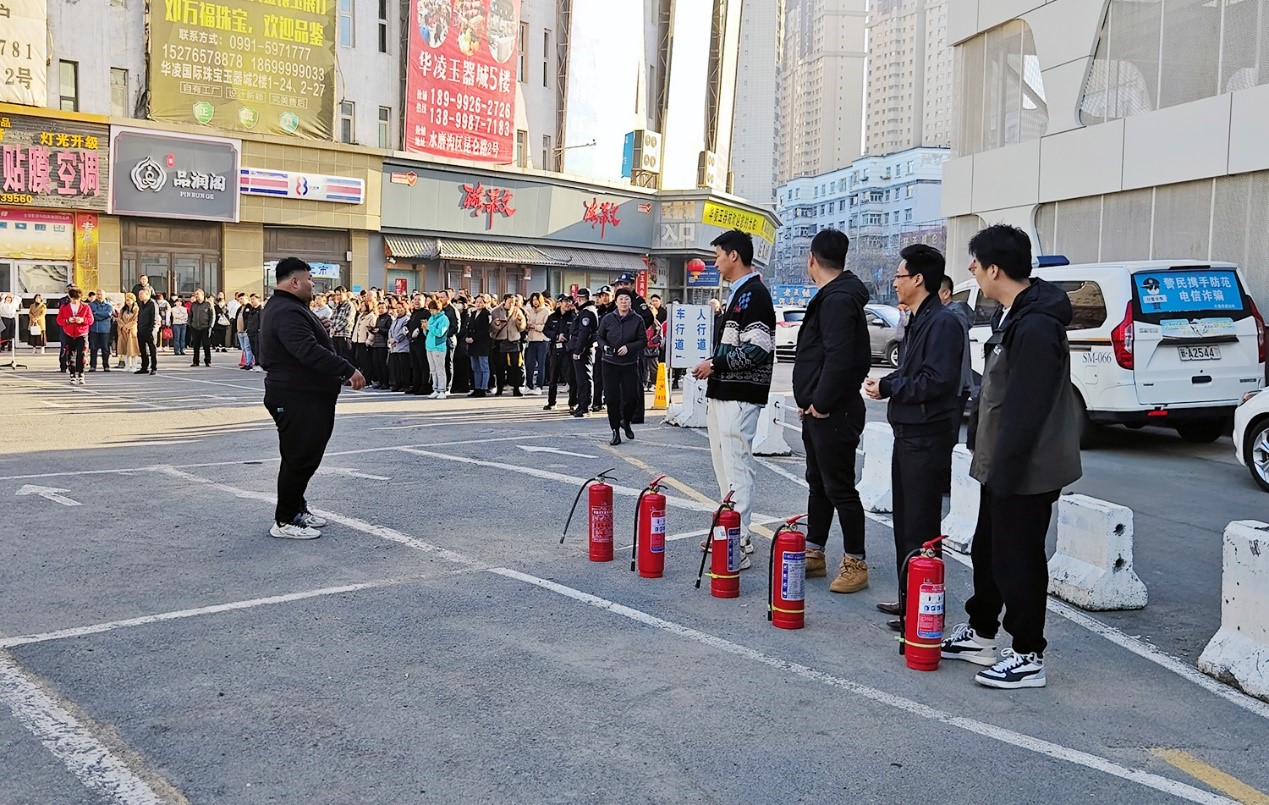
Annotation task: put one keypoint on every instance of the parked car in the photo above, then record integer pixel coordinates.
(882, 321)
(1160, 342)
(788, 324)
(1251, 436)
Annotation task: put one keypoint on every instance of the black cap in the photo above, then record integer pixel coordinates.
(604, 289)
(583, 292)
(626, 277)
(563, 298)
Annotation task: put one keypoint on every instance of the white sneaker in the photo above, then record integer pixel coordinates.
(257, 368)
(1013, 671)
(293, 531)
(440, 395)
(745, 564)
(966, 644)
(313, 521)
(746, 545)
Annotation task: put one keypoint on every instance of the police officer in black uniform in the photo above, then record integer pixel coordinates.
(581, 346)
(559, 364)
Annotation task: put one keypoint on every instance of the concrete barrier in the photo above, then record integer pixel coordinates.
(1092, 567)
(962, 515)
(874, 482)
(769, 440)
(1239, 653)
(692, 411)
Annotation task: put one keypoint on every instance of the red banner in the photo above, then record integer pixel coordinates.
(461, 84)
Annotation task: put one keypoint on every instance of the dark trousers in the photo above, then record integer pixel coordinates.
(305, 422)
(399, 371)
(597, 400)
(198, 340)
(623, 390)
(63, 354)
(581, 379)
(922, 459)
(559, 369)
(830, 474)
(74, 348)
(460, 379)
(99, 342)
(1011, 572)
(420, 374)
(361, 359)
(149, 355)
(449, 365)
(535, 363)
(254, 340)
(512, 367)
(343, 347)
(955, 425)
(379, 357)
(497, 367)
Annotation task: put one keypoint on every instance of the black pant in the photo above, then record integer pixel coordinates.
(343, 347)
(830, 474)
(99, 342)
(74, 348)
(1011, 572)
(420, 373)
(497, 368)
(449, 365)
(922, 458)
(63, 354)
(254, 340)
(512, 364)
(149, 355)
(305, 422)
(460, 380)
(559, 368)
(581, 379)
(597, 401)
(623, 390)
(399, 371)
(379, 357)
(198, 339)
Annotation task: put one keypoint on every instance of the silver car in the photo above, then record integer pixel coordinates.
(882, 321)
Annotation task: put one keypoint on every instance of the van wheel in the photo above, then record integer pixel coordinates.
(892, 354)
(1090, 431)
(1201, 432)
(1257, 452)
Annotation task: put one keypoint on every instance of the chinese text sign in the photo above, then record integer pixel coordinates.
(24, 52)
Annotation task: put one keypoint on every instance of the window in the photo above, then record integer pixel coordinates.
(546, 152)
(345, 24)
(546, 58)
(383, 26)
(523, 44)
(118, 92)
(385, 126)
(1000, 97)
(68, 73)
(907, 191)
(1088, 306)
(522, 148)
(984, 309)
(346, 112)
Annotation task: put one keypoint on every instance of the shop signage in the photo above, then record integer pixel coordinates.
(707, 276)
(174, 176)
(53, 162)
(489, 201)
(725, 216)
(461, 79)
(36, 235)
(244, 65)
(600, 213)
(24, 52)
(307, 186)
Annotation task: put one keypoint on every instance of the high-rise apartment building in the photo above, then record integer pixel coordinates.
(821, 97)
(909, 76)
(755, 123)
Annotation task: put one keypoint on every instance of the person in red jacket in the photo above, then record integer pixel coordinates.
(75, 318)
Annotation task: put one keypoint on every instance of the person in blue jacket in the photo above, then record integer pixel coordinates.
(437, 347)
(99, 333)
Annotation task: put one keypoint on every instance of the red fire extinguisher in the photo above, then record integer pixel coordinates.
(724, 548)
(786, 587)
(921, 598)
(599, 516)
(648, 551)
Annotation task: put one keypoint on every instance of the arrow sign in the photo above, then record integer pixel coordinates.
(531, 449)
(350, 473)
(48, 493)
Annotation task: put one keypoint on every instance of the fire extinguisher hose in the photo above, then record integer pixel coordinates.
(600, 477)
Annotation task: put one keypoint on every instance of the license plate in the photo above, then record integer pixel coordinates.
(1212, 353)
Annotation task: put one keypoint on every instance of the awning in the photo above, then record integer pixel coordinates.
(600, 261)
(482, 252)
(404, 247)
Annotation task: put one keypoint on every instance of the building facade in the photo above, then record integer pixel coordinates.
(909, 76)
(1114, 130)
(753, 161)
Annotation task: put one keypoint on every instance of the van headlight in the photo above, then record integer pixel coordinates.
(1247, 397)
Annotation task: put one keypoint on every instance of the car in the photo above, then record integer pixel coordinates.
(1251, 436)
(1159, 342)
(882, 321)
(788, 323)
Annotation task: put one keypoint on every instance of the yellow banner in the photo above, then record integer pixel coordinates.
(245, 65)
(728, 217)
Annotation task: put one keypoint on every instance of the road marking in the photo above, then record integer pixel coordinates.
(1212, 776)
(759, 519)
(96, 767)
(990, 731)
(48, 493)
(1139, 647)
(534, 449)
(350, 473)
(670, 480)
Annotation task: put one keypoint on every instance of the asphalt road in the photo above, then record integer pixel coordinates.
(439, 644)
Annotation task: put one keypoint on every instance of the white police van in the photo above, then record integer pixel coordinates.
(1161, 342)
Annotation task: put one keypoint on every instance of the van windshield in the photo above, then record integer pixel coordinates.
(1188, 291)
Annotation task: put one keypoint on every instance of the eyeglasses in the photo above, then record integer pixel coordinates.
(901, 276)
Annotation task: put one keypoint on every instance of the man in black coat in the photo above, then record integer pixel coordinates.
(581, 347)
(833, 358)
(305, 374)
(147, 333)
(420, 373)
(559, 363)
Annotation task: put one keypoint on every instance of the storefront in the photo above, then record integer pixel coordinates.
(326, 250)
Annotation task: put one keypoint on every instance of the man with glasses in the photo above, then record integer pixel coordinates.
(924, 394)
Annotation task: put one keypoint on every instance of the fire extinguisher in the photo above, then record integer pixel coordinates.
(648, 551)
(599, 516)
(724, 547)
(786, 587)
(921, 598)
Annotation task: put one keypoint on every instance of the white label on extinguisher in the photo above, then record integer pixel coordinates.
(733, 549)
(601, 525)
(793, 575)
(929, 625)
(656, 544)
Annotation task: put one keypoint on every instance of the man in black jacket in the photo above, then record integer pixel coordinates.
(581, 346)
(833, 358)
(251, 313)
(558, 326)
(420, 373)
(303, 381)
(147, 333)
(924, 394)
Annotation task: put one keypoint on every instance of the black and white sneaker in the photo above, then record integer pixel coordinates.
(293, 531)
(1013, 671)
(966, 644)
(311, 520)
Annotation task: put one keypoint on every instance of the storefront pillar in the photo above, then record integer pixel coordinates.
(244, 259)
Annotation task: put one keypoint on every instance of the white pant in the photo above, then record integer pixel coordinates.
(732, 426)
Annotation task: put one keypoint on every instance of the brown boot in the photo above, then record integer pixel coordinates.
(852, 576)
(816, 567)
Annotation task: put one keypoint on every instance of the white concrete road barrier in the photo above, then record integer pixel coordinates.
(1092, 567)
(692, 411)
(962, 515)
(874, 482)
(1239, 653)
(769, 440)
